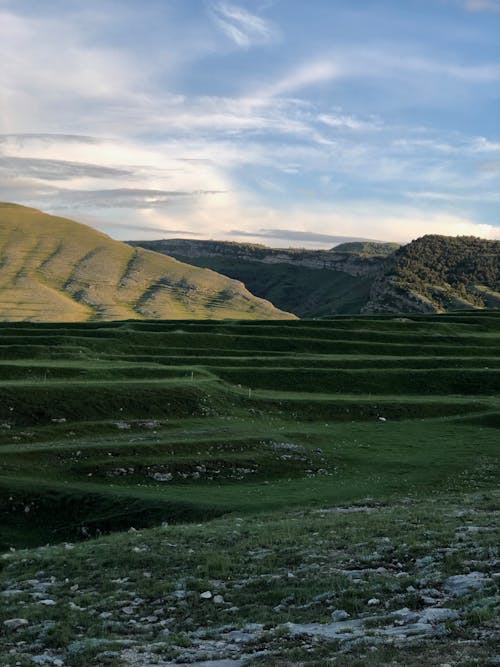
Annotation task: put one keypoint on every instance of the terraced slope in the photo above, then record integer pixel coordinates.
(132, 422)
(54, 269)
(314, 490)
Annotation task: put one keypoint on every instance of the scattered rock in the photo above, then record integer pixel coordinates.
(162, 476)
(424, 562)
(438, 615)
(16, 623)
(45, 659)
(207, 595)
(339, 615)
(462, 584)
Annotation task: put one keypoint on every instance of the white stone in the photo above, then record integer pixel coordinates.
(207, 595)
(339, 615)
(15, 623)
(461, 584)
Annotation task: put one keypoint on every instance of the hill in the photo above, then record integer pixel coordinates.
(439, 273)
(55, 269)
(367, 248)
(309, 283)
(250, 493)
(431, 274)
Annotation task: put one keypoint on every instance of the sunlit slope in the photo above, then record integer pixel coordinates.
(54, 269)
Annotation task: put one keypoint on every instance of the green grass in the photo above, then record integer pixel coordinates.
(274, 424)
(246, 438)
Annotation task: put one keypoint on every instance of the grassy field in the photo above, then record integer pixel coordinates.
(263, 462)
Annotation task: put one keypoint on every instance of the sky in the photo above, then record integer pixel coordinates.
(283, 122)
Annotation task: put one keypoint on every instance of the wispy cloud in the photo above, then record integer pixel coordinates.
(126, 197)
(340, 120)
(293, 235)
(27, 137)
(56, 170)
(306, 74)
(241, 27)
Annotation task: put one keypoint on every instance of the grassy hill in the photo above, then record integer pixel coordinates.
(332, 482)
(54, 269)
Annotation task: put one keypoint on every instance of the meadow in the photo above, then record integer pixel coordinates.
(261, 462)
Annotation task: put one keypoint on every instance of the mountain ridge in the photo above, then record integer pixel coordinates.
(366, 277)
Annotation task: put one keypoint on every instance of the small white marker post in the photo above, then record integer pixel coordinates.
(249, 393)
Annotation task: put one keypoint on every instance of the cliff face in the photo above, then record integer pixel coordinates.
(332, 260)
(388, 296)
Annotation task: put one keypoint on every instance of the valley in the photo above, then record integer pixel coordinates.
(432, 274)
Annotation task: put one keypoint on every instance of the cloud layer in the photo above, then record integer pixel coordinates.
(251, 117)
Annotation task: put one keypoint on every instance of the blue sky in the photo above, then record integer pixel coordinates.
(277, 121)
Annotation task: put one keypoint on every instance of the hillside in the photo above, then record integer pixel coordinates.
(250, 493)
(54, 269)
(439, 273)
(309, 283)
(431, 274)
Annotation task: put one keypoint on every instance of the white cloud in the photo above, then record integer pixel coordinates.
(453, 197)
(241, 27)
(144, 141)
(483, 145)
(305, 75)
(350, 122)
(372, 220)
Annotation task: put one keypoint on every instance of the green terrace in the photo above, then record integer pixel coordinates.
(106, 426)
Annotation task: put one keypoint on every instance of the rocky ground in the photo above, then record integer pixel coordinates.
(406, 583)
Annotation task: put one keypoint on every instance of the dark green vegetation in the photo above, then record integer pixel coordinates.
(54, 269)
(432, 274)
(303, 467)
(451, 271)
(367, 248)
